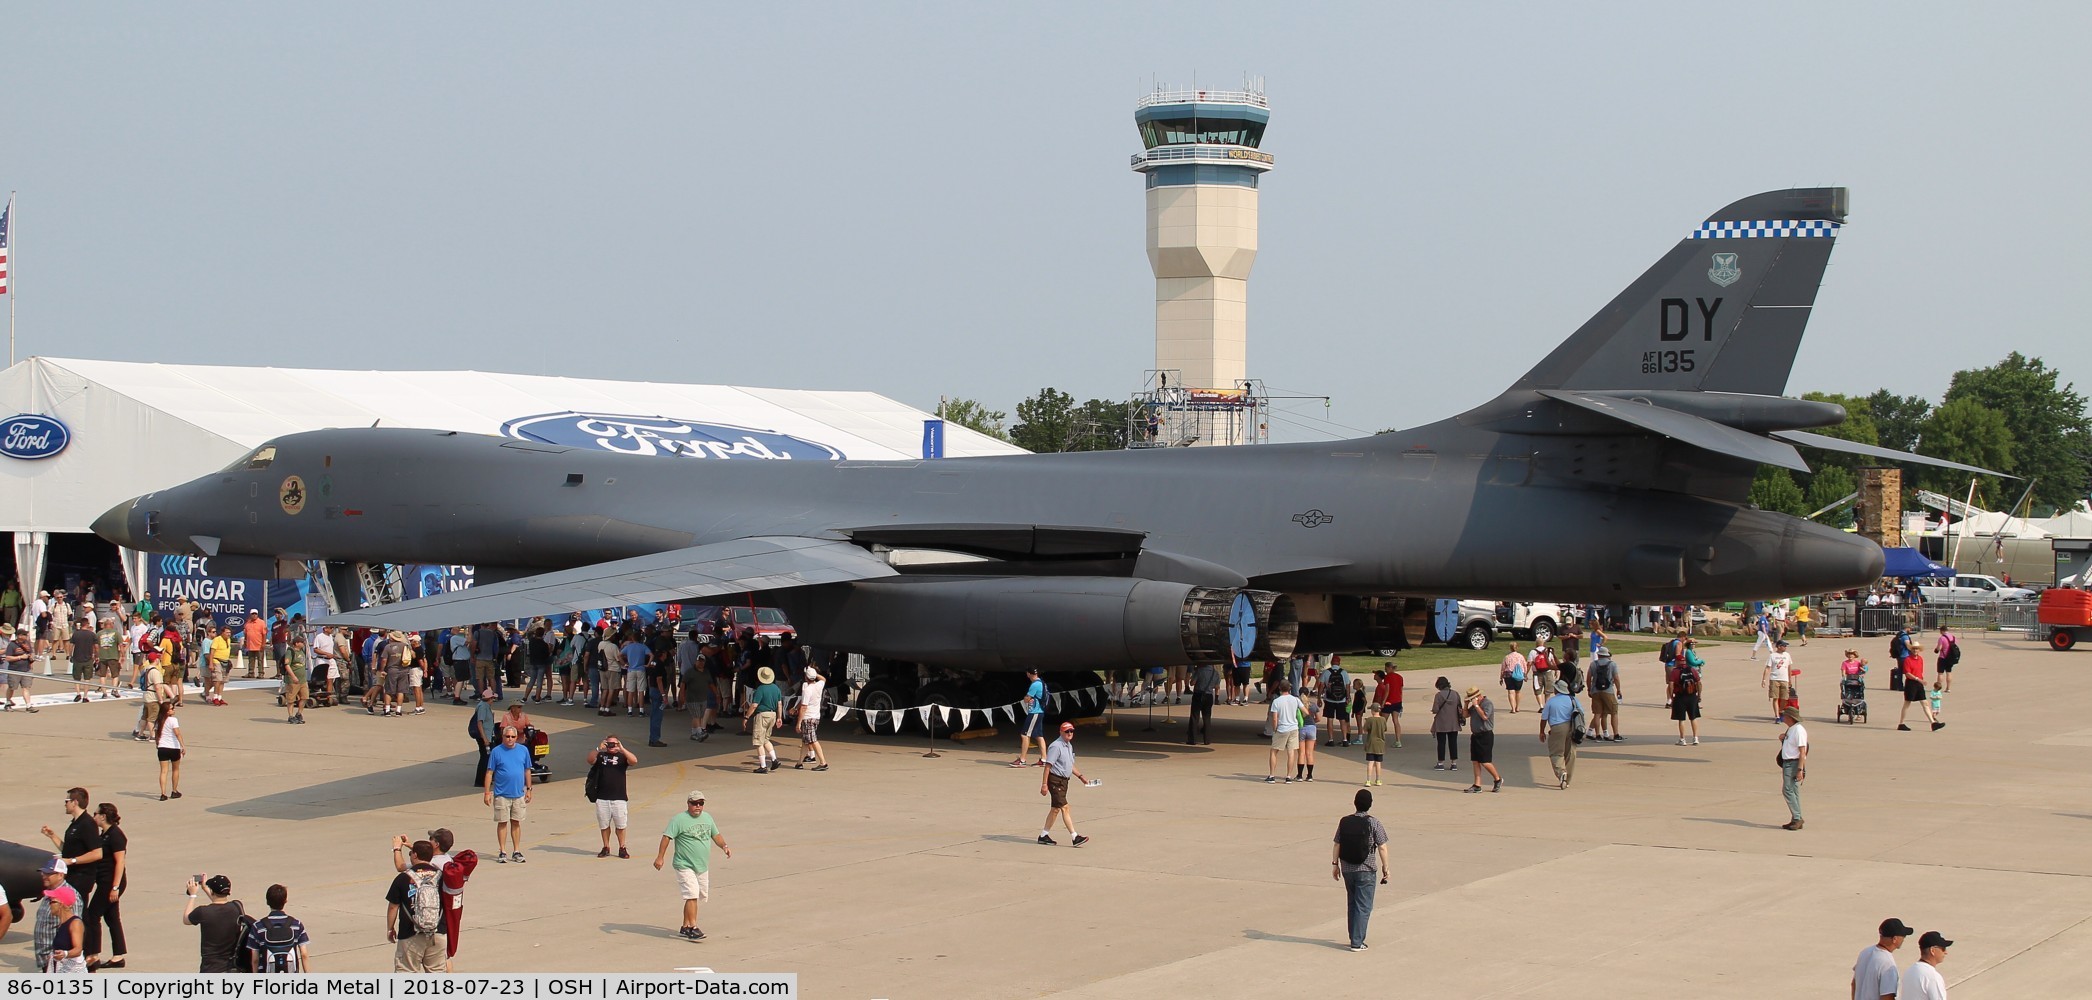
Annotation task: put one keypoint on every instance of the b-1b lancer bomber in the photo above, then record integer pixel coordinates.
(1617, 470)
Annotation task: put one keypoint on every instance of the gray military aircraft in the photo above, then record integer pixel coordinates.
(1616, 470)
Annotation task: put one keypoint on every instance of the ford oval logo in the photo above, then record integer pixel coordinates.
(28, 436)
(627, 434)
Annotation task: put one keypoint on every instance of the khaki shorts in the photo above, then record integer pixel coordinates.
(508, 810)
(297, 694)
(1605, 703)
(1778, 690)
(764, 723)
(1286, 740)
(695, 885)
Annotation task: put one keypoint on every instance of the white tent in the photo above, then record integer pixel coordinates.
(1992, 522)
(2075, 524)
(135, 427)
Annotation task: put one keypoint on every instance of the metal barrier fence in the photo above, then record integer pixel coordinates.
(2020, 616)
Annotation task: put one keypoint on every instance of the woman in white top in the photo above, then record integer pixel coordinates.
(169, 739)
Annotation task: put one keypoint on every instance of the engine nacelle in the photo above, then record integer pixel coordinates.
(1010, 623)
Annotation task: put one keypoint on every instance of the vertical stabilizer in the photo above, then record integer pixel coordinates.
(1722, 311)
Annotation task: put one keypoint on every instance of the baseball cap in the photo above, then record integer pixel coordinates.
(219, 885)
(55, 866)
(696, 795)
(1893, 927)
(1067, 727)
(486, 694)
(1780, 642)
(64, 895)
(1934, 939)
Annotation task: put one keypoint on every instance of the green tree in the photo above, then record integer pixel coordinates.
(1898, 420)
(1773, 489)
(1051, 421)
(971, 414)
(1827, 487)
(2048, 434)
(1966, 431)
(1102, 425)
(1045, 422)
(1858, 427)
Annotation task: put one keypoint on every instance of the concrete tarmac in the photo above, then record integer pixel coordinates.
(1662, 871)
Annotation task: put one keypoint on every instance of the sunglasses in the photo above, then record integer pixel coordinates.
(695, 802)
(508, 736)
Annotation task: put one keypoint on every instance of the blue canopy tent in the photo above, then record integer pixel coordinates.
(1905, 563)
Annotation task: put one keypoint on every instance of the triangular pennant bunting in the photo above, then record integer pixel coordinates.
(923, 711)
(1010, 711)
(1056, 701)
(896, 716)
(965, 718)
(840, 711)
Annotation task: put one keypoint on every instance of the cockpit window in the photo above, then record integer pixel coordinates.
(260, 458)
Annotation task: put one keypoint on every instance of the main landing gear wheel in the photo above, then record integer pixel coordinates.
(876, 699)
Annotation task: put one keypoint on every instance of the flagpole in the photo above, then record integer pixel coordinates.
(10, 279)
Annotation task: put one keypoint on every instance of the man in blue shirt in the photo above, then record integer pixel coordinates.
(636, 655)
(1556, 729)
(508, 791)
(1060, 766)
(1034, 718)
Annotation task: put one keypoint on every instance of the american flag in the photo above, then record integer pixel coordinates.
(4, 213)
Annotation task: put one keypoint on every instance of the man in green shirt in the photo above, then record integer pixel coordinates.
(108, 654)
(295, 680)
(11, 604)
(762, 707)
(692, 834)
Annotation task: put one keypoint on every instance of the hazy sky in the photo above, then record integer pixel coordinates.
(934, 199)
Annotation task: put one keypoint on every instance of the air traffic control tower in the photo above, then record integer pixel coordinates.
(1201, 160)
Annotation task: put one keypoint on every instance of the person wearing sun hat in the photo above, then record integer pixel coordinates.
(762, 709)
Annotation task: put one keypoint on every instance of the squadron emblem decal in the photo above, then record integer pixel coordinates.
(1725, 270)
(292, 495)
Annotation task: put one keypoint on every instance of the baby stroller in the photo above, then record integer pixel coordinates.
(1852, 699)
(540, 744)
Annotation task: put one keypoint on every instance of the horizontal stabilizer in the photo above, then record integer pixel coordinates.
(1828, 443)
(744, 564)
(1699, 432)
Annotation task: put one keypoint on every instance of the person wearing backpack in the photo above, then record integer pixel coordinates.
(414, 915)
(1946, 655)
(1358, 858)
(278, 940)
(1684, 681)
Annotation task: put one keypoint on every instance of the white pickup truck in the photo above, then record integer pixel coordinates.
(1972, 588)
(1480, 623)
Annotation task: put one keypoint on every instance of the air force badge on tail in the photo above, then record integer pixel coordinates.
(1725, 270)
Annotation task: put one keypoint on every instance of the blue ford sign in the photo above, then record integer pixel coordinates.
(28, 436)
(636, 435)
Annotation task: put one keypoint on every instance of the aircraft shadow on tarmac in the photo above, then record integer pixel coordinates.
(424, 781)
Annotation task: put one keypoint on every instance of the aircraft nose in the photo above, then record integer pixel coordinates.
(115, 524)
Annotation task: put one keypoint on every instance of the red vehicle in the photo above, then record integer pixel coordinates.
(770, 624)
(2066, 615)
